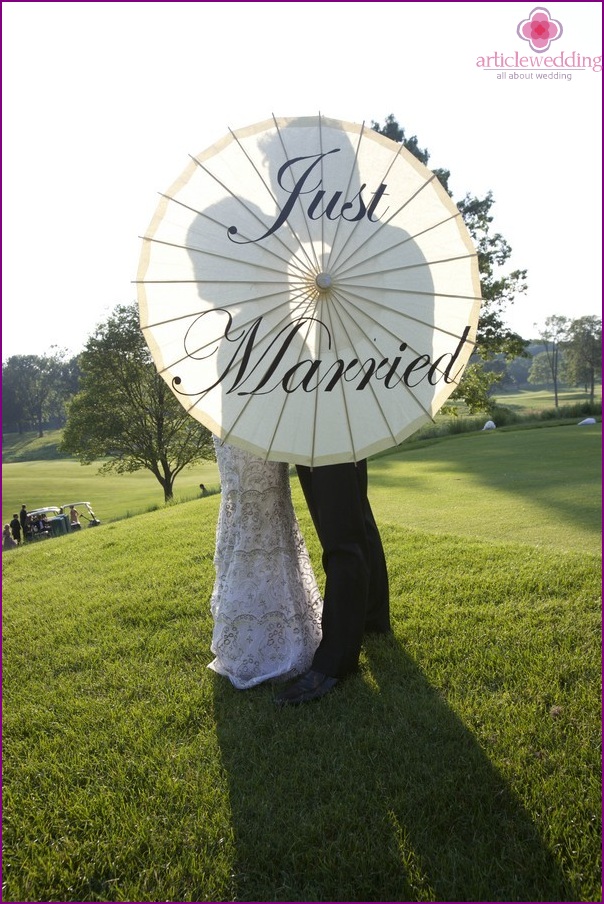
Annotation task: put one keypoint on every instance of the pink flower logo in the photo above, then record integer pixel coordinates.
(539, 29)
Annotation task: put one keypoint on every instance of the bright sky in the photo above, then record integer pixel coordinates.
(103, 103)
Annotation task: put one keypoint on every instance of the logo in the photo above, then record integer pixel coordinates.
(534, 63)
(539, 29)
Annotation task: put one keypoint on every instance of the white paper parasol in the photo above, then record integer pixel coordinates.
(309, 291)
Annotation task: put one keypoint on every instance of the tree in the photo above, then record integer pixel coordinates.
(498, 288)
(517, 369)
(553, 335)
(540, 373)
(69, 384)
(31, 388)
(13, 414)
(391, 129)
(583, 353)
(125, 412)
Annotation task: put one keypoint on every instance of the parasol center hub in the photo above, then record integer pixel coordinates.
(324, 282)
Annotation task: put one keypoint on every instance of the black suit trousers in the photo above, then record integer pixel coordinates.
(356, 587)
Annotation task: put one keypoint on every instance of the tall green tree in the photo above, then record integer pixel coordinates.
(554, 334)
(32, 387)
(583, 353)
(13, 413)
(126, 413)
(498, 288)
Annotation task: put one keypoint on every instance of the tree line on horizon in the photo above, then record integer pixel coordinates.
(113, 405)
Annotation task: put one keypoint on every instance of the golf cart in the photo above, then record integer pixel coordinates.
(45, 522)
(74, 519)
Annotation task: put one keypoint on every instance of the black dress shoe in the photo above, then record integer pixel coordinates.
(311, 686)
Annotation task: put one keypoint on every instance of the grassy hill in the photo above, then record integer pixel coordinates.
(31, 447)
(461, 763)
(547, 473)
(113, 496)
(35, 471)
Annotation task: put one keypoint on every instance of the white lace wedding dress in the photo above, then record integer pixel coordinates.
(265, 604)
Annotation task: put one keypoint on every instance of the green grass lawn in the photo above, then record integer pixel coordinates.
(462, 762)
(35, 473)
(510, 484)
(112, 496)
(29, 446)
(539, 486)
(537, 399)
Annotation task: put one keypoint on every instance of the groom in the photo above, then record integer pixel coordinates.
(356, 596)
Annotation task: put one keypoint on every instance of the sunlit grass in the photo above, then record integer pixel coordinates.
(461, 763)
(113, 496)
(538, 399)
(532, 486)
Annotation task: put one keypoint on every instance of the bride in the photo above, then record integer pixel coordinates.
(265, 603)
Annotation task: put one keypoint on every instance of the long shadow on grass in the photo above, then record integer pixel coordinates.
(376, 793)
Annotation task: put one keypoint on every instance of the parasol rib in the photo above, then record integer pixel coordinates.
(299, 203)
(240, 326)
(337, 308)
(242, 202)
(328, 308)
(334, 262)
(366, 299)
(282, 409)
(342, 271)
(214, 254)
(251, 396)
(353, 166)
(372, 343)
(351, 303)
(290, 252)
(197, 313)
